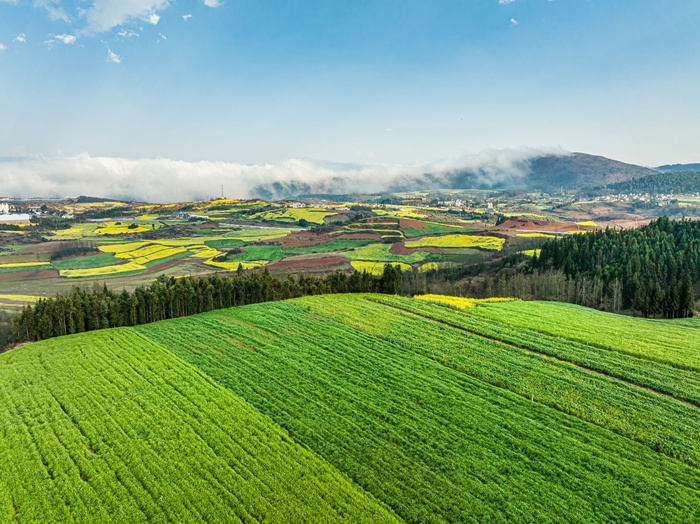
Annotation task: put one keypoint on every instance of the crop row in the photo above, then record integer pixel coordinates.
(679, 383)
(109, 427)
(678, 347)
(659, 422)
(433, 443)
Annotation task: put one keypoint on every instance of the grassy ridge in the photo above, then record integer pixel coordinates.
(109, 427)
(433, 443)
(677, 347)
(658, 422)
(679, 383)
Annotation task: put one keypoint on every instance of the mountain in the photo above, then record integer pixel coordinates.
(548, 173)
(670, 168)
(551, 173)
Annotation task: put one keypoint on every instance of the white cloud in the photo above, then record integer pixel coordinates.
(113, 57)
(186, 17)
(505, 2)
(161, 36)
(127, 33)
(213, 3)
(2, 47)
(103, 15)
(65, 39)
(513, 21)
(22, 38)
(167, 180)
(54, 10)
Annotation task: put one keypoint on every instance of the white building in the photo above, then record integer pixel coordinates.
(4, 208)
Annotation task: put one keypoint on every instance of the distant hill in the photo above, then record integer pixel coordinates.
(549, 173)
(672, 182)
(670, 168)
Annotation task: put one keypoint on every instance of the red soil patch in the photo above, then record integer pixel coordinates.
(539, 225)
(358, 236)
(159, 268)
(302, 239)
(415, 224)
(28, 275)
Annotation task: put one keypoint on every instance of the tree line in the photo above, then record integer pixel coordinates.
(653, 271)
(83, 310)
(679, 182)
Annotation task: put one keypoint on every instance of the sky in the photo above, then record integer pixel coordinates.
(133, 88)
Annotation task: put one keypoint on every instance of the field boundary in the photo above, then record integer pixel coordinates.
(527, 350)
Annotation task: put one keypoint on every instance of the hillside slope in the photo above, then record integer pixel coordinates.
(579, 170)
(444, 425)
(109, 427)
(358, 408)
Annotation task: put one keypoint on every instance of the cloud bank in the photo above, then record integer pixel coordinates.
(164, 180)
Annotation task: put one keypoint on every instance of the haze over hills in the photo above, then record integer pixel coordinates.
(547, 172)
(671, 168)
(163, 180)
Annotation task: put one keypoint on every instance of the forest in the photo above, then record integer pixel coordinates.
(651, 270)
(680, 182)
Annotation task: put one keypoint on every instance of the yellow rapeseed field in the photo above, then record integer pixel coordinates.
(248, 264)
(21, 298)
(25, 264)
(461, 303)
(114, 228)
(536, 235)
(102, 271)
(530, 252)
(375, 268)
(434, 266)
(458, 241)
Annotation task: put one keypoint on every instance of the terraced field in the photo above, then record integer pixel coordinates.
(363, 408)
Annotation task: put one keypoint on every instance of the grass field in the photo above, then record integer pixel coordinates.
(356, 408)
(677, 347)
(432, 228)
(105, 259)
(333, 245)
(109, 427)
(428, 429)
(380, 253)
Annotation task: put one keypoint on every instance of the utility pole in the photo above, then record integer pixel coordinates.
(222, 191)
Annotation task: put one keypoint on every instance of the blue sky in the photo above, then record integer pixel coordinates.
(391, 82)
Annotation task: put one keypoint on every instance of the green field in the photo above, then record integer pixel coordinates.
(109, 427)
(675, 346)
(358, 408)
(380, 253)
(434, 229)
(105, 259)
(333, 245)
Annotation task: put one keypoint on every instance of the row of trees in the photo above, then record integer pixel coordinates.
(653, 268)
(83, 310)
(653, 271)
(679, 182)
